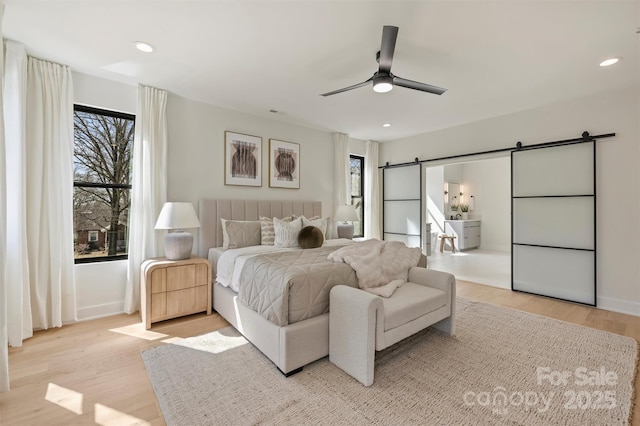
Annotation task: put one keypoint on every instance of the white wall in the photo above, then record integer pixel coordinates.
(196, 156)
(453, 173)
(105, 94)
(489, 181)
(356, 147)
(196, 170)
(434, 177)
(617, 173)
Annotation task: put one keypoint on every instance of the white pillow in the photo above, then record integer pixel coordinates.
(318, 222)
(287, 232)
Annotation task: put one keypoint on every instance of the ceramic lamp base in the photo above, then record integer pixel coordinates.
(345, 230)
(178, 245)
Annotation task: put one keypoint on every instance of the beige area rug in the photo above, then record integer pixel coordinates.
(502, 367)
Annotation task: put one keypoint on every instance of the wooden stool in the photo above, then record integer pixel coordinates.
(445, 237)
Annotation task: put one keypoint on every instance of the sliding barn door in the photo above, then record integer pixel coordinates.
(554, 222)
(402, 205)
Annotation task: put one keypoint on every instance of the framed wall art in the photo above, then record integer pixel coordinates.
(242, 159)
(284, 164)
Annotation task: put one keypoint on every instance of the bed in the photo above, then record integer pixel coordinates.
(289, 345)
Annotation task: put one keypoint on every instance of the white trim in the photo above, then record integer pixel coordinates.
(617, 305)
(100, 311)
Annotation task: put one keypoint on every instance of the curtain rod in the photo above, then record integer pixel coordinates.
(586, 137)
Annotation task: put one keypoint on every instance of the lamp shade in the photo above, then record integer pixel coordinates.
(177, 216)
(346, 213)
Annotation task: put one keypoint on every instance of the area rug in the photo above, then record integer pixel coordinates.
(502, 367)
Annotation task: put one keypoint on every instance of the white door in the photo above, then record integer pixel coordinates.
(402, 201)
(554, 222)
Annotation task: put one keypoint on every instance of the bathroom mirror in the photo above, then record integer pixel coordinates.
(451, 195)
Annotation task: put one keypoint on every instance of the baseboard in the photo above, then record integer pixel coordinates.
(501, 248)
(617, 305)
(100, 311)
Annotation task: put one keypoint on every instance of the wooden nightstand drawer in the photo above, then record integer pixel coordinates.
(158, 306)
(181, 301)
(171, 289)
(159, 281)
(179, 277)
(202, 297)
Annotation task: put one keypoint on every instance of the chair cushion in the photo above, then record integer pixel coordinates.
(409, 302)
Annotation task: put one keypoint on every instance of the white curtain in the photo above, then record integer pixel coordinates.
(17, 270)
(371, 191)
(342, 178)
(149, 187)
(36, 207)
(49, 193)
(4, 341)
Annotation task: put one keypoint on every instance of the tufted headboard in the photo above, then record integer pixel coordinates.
(211, 210)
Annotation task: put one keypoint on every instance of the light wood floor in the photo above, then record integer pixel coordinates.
(92, 373)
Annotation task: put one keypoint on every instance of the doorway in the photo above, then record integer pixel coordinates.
(484, 186)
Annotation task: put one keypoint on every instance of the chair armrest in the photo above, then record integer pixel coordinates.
(352, 331)
(436, 279)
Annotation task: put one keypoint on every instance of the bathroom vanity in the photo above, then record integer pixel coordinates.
(467, 233)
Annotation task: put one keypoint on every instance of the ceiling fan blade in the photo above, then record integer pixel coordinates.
(355, 86)
(410, 84)
(387, 47)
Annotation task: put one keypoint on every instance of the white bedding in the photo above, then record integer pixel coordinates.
(230, 262)
(381, 266)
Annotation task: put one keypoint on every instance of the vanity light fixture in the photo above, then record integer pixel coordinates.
(386, 125)
(609, 62)
(143, 46)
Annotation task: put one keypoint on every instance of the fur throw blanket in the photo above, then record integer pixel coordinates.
(381, 266)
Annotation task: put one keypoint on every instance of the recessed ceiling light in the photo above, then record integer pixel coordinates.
(609, 62)
(386, 125)
(143, 47)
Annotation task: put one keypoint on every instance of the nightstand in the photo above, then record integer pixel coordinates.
(174, 288)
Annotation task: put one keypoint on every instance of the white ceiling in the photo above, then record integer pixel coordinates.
(495, 57)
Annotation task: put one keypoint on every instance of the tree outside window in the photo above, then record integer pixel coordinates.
(103, 146)
(356, 164)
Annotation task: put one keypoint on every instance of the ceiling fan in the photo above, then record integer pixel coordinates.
(383, 80)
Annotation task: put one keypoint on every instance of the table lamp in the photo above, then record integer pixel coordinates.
(344, 214)
(177, 217)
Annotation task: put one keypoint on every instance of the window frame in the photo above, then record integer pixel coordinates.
(82, 184)
(361, 159)
(93, 233)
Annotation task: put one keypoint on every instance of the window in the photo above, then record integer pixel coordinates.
(103, 147)
(93, 236)
(356, 165)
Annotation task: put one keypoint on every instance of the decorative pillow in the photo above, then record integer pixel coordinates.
(318, 222)
(267, 232)
(240, 233)
(287, 232)
(310, 237)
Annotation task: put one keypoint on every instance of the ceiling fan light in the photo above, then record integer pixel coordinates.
(382, 87)
(382, 84)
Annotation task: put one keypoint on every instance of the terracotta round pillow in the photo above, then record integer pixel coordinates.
(310, 237)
